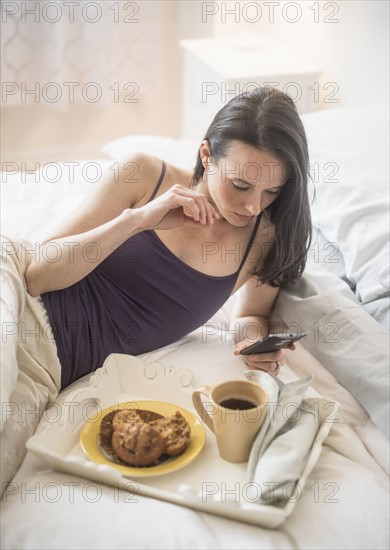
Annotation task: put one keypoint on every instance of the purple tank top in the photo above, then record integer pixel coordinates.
(140, 298)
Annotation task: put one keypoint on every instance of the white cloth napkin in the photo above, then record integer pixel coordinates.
(285, 438)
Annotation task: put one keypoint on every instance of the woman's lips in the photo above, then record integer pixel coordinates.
(243, 217)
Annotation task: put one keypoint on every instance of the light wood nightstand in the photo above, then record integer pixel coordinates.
(217, 69)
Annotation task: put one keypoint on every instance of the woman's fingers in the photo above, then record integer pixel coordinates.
(176, 207)
(273, 367)
(206, 213)
(267, 357)
(211, 212)
(269, 365)
(268, 362)
(191, 208)
(195, 205)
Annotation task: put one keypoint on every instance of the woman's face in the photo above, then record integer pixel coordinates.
(243, 183)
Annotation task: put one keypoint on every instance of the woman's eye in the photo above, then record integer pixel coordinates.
(240, 187)
(273, 193)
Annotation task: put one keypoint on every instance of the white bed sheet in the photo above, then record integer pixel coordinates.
(344, 505)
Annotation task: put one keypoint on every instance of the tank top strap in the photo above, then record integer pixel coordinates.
(253, 235)
(160, 180)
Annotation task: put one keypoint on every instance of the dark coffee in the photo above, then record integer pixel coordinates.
(237, 404)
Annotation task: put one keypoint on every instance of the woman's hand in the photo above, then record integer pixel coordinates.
(177, 207)
(268, 362)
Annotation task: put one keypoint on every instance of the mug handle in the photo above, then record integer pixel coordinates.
(198, 404)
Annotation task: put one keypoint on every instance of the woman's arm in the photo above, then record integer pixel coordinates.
(250, 320)
(116, 211)
(63, 262)
(252, 310)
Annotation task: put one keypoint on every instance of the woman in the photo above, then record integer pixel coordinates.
(153, 254)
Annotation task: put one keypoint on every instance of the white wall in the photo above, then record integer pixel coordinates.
(353, 53)
(39, 132)
(348, 40)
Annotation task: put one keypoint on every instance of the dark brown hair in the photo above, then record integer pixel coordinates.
(267, 119)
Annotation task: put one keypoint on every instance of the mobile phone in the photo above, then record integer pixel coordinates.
(273, 342)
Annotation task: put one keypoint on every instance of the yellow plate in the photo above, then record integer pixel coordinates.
(89, 439)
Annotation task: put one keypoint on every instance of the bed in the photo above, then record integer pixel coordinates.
(342, 301)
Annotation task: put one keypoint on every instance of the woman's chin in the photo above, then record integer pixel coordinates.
(241, 219)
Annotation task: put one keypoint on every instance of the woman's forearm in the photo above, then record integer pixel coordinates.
(251, 327)
(63, 262)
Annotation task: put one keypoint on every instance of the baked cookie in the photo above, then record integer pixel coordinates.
(105, 434)
(113, 419)
(139, 437)
(125, 416)
(138, 444)
(176, 432)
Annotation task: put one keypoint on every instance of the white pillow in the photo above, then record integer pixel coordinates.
(57, 187)
(343, 337)
(349, 164)
(328, 254)
(180, 152)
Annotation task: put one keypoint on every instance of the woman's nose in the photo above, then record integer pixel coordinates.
(254, 207)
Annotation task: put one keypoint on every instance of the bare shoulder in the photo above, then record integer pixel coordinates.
(150, 173)
(128, 183)
(138, 174)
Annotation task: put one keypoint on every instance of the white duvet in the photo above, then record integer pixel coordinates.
(343, 505)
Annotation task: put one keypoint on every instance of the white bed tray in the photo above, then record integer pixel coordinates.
(126, 378)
